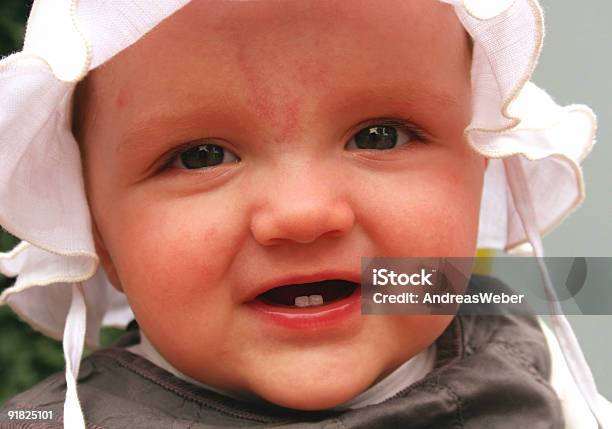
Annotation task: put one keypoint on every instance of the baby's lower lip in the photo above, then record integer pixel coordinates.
(332, 316)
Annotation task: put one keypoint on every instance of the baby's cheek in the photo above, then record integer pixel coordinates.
(174, 260)
(432, 219)
(448, 210)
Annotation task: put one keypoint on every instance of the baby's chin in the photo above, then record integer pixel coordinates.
(316, 382)
(317, 378)
(324, 375)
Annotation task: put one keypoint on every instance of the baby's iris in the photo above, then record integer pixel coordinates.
(385, 135)
(376, 137)
(202, 156)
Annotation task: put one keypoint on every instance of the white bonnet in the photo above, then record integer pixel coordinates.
(535, 147)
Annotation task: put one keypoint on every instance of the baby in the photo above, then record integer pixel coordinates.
(245, 146)
(238, 160)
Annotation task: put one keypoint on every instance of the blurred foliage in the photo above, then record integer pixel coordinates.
(26, 356)
(13, 16)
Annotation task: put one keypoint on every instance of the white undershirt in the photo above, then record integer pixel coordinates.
(411, 371)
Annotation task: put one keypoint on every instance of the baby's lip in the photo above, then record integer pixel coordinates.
(301, 279)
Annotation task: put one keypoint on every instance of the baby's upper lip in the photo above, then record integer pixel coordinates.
(303, 278)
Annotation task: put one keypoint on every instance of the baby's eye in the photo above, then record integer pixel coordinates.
(382, 136)
(202, 156)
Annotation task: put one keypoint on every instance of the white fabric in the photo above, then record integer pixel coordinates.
(576, 362)
(41, 184)
(42, 192)
(576, 412)
(408, 373)
(74, 336)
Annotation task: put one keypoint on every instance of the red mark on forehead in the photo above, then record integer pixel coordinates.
(275, 101)
(258, 93)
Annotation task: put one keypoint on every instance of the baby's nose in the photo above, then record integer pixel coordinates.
(302, 209)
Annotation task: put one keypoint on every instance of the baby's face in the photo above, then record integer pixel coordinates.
(241, 146)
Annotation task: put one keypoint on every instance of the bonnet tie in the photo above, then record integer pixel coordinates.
(572, 352)
(74, 337)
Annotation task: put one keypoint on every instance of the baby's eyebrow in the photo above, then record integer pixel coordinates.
(413, 97)
(161, 126)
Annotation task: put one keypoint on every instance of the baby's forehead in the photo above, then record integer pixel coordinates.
(269, 57)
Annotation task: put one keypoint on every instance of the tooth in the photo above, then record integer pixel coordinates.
(315, 299)
(302, 301)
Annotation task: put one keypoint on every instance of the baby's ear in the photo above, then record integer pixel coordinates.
(105, 259)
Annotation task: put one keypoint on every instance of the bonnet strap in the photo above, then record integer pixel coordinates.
(74, 337)
(572, 353)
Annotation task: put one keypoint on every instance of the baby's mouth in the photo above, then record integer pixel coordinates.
(308, 294)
